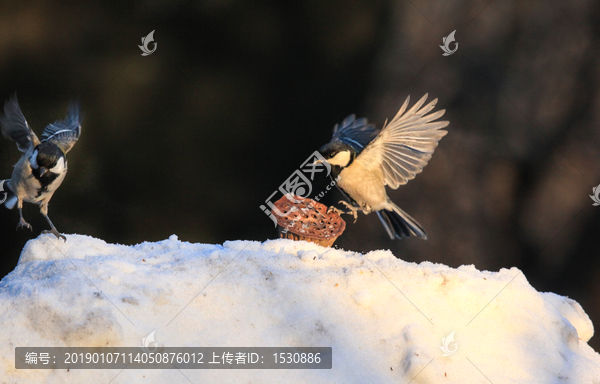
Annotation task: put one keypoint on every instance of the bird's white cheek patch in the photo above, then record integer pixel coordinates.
(341, 158)
(59, 167)
(33, 160)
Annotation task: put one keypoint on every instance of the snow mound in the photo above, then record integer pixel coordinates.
(384, 318)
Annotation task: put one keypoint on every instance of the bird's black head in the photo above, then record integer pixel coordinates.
(338, 153)
(47, 157)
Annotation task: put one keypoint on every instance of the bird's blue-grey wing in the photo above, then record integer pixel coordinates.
(404, 146)
(15, 127)
(355, 132)
(65, 133)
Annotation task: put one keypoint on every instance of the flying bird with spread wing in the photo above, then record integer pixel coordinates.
(43, 165)
(366, 160)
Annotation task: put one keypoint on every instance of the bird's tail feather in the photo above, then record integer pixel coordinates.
(5, 192)
(399, 224)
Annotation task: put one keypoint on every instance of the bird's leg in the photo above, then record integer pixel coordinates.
(44, 212)
(22, 222)
(353, 209)
(53, 230)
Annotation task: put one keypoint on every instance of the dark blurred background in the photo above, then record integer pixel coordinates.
(193, 138)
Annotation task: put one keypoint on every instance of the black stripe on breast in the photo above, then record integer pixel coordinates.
(44, 180)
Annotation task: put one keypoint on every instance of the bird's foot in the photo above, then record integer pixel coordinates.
(24, 224)
(56, 233)
(334, 209)
(353, 210)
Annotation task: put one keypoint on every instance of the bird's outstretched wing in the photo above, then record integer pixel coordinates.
(355, 132)
(405, 145)
(64, 133)
(15, 127)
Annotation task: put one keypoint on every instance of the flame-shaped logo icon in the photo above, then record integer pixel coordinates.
(145, 41)
(446, 344)
(595, 197)
(147, 343)
(447, 41)
(6, 194)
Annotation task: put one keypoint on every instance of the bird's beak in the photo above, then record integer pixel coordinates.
(42, 171)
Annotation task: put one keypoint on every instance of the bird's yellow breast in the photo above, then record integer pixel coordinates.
(364, 183)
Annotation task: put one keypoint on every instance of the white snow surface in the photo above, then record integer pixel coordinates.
(384, 318)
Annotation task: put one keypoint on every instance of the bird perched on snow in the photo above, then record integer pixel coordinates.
(43, 166)
(367, 160)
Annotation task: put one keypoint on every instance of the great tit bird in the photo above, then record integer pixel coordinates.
(43, 166)
(366, 160)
